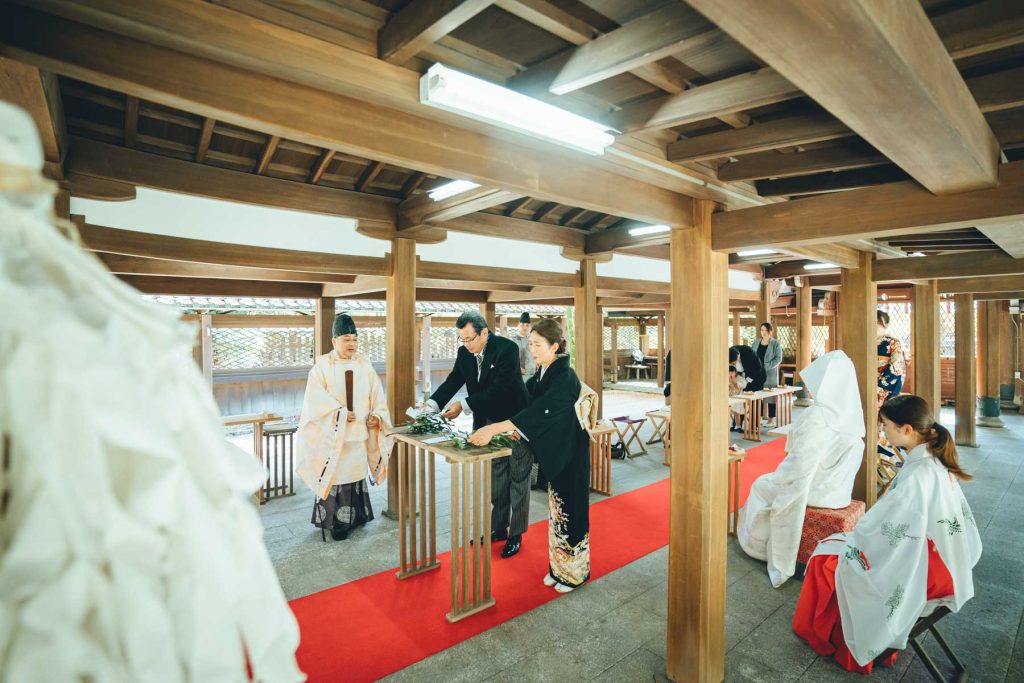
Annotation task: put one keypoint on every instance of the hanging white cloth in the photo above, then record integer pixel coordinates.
(129, 547)
(882, 575)
(824, 450)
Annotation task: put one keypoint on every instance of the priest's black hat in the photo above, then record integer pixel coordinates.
(343, 324)
(524, 318)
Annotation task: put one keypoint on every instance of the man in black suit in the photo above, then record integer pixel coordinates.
(488, 366)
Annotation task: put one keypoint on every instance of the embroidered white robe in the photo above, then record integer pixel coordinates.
(823, 454)
(329, 449)
(882, 575)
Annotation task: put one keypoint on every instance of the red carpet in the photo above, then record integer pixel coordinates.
(367, 629)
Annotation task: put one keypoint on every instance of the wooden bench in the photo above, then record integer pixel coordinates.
(638, 368)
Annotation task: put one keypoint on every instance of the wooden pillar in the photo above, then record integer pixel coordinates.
(764, 307)
(1006, 345)
(323, 324)
(206, 348)
(661, 350)
(426, 384)
(989, 408)
(735, 328)
(927, 366)
(589, 346)
(401, 344)
(804, 328)
(489, 312)
(965, 371)
(615, 351)
(503, 324)
(697, 505)
(859, 341)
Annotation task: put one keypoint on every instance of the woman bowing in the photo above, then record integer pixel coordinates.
(550, 425)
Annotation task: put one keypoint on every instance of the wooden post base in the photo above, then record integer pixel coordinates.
(417, 519)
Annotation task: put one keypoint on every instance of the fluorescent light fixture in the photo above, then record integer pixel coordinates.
(917, 253)
(478, 99)
(756, 252)
(648, 230)
(451, 189)
(820, 266)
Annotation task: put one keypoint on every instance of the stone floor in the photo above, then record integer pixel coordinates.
(614, 628)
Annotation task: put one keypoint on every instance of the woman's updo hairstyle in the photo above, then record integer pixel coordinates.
(907, 409)
(883, 318)
(552, 333)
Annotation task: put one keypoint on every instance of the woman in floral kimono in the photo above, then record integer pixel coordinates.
(341, 434)
(892, 367)
(561, 446)
(908, 555)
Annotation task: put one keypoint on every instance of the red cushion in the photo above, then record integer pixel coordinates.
(820, 523)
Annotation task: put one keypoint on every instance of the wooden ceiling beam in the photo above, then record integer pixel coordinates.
(981, 27)
(833, 181)
(364, 284)
(1008, 236)
(729, 95)
(550, 17)
(641, 41)
(191, 286)
(613, 239)
(38, 93)
(886, 210)
(510, 276)
(111, 162)
(998, 91)
(148, 245)
(966, 285)
(506, 227)
(789, 131)
(943, 266)
(841, 157)
(131, 121)
(421, 23)
(845, 257)
(89, 187)
(413, 182)
(420, 212)
(999, 296)
(133, 265)
(426, 140)
(912, 105)
(515, 205)
(433, 283)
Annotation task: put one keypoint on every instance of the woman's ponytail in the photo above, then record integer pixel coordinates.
(908, 409)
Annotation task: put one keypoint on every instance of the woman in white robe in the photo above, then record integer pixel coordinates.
(823, 453)
(335, 446)
(911, 553)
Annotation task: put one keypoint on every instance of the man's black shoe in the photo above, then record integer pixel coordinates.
(339, 534)
(512, 546)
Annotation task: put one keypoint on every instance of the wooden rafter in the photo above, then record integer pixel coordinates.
(368, 175)
(570, 215)
(267, 154)
(746, 91)
(131, 120)
(832, 181)
(203, 141)
(1008, 283)
(103, 160)
(417, 213)
(942, 266)
(412, 183)
(188, 286)
(982, 27)
(912, 105)
(421, 23)
(496, 225)
(515, 205)
(133, 265)
(321, 166)
(545, 209)
(839, 157)
(786, 132)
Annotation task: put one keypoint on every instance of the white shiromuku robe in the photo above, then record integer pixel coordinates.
(823, 454)
(329, 450)
(130, 549)
(882, 574)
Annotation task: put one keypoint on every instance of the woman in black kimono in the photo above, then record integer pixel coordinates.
(561, 446)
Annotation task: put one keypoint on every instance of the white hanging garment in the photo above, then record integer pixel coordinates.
(129, 547)
(824, 450)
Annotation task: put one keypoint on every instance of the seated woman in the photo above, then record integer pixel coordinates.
(561, 446)
(909, 554)
(736, 406)
(823, 453)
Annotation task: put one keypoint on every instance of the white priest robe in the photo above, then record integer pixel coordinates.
(329, 449)
(881, 578)
(823, 453)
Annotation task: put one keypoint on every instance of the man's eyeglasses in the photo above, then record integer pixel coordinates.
(469, 341)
